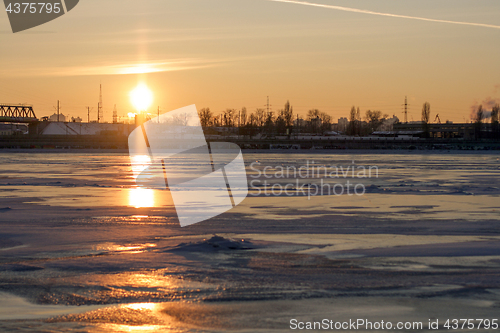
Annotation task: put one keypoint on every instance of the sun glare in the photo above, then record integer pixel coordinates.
(141, 97)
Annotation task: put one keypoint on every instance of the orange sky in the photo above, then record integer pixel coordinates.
(233, 53)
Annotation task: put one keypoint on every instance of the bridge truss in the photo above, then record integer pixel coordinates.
(17, 113)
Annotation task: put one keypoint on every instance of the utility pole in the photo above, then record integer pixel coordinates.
(99, 105)
(158, 114)
(268, 106)
(58, 107)
(406, 110)
(88, 113)
(115, 115)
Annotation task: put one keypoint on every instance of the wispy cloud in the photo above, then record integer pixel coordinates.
(123, 67)
(112, 69)
(362, 11)
(134, 68)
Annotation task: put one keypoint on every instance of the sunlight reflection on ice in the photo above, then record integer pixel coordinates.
(134, 248)
(141, 198)
(130, 328)
(139, 164)
(147, 310)
(142, 306)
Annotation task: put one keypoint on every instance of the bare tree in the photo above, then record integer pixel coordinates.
(375, 119)
(313, 114)
(288, 114)
(314, 120)
(181, 119)
(326, 121)
(269, 124)
(205, 117)
(494, 113)
(260, 116)
(243, 116)
(228, 117)
(358, 121)
(280, 122)
(351, 128)
(252, 120)
(284, 121)
(426, 115)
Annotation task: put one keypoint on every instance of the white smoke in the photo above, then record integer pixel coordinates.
(488, 103)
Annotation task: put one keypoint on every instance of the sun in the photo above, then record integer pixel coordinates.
(141, 97)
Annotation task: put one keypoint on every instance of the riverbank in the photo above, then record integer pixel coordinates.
(115, 142)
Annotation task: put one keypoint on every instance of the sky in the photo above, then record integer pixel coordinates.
(323, 54)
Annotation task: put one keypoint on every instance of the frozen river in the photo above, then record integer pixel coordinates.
(413, 236)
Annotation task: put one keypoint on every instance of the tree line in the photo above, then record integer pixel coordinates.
(284, 121)
(260, 121)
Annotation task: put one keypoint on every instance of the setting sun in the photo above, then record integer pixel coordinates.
(141, 97)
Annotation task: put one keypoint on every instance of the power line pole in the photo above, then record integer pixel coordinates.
(88, 114)
(268, 106)
(58, 107)
(406, 110)
(158, 114)
(99, 105)
(115, 115)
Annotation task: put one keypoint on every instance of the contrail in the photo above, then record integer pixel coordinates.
(362, 11)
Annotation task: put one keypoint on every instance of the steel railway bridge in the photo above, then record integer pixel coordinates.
(17, 113)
